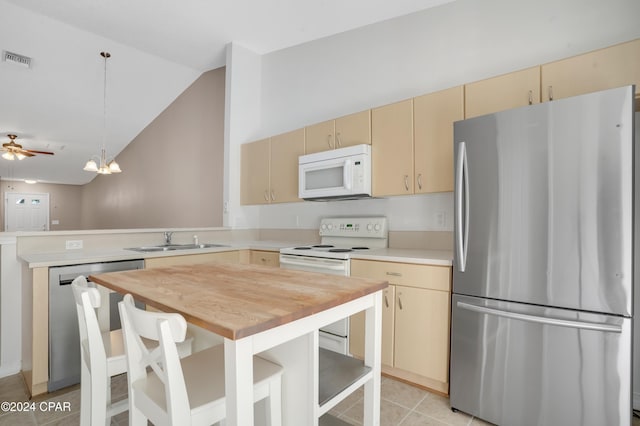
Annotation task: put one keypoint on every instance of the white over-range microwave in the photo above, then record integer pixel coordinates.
(343, 173)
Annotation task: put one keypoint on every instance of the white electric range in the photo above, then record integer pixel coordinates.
(341, 237)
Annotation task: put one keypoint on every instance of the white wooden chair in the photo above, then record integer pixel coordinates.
(186, 391)
(102, 357)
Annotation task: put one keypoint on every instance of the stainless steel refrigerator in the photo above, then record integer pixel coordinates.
(543, 276)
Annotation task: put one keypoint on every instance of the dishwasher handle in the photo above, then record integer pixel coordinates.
(68, 278)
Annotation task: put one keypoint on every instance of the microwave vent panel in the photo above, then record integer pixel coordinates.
(17, 59)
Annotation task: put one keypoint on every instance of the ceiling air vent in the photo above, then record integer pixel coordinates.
(14, 58)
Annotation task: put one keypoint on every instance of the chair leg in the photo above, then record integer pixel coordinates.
(98, 399)
(107, 421)
(274, 403)
(85, 394)
(136, 417)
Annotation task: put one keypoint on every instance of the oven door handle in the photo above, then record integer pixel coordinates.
(313, 264)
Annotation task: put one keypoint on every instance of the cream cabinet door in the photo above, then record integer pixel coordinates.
(356, 328)
(422, 332)
(254, 172)
(602, 69)
(319, 137)
(503, 92)
(433, 117)
(392, 149)
(285, 150)
(353, 129)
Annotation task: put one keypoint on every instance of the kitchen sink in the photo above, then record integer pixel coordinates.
(171, 247)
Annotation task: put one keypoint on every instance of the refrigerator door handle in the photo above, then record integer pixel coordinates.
(541, 320)
(462, 194)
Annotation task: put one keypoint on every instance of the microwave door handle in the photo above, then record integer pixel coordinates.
(346, 174)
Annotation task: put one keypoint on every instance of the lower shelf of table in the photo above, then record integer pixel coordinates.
(329, 420)
(339, 373)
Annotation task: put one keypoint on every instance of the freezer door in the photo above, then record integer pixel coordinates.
(543, 203)
(516, 364)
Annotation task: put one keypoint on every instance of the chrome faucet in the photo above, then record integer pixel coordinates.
(167, 237)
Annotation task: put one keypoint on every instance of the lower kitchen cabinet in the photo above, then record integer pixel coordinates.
(415, 321)
(263, 257)
(222, 256)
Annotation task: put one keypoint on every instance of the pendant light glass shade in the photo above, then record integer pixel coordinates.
(105, 167)
(13, 155)
(91, 166)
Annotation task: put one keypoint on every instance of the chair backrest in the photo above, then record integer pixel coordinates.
(167, 329)
(91, 344)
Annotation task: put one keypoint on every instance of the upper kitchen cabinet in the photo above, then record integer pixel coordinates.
(433, 117)
(320, 137)
(285, 150)
(352, 129)
(602, 69)
(254, 172)
(269, 169)
(392, 149)
(503, 92)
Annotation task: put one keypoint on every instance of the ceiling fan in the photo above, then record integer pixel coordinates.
(12, 150)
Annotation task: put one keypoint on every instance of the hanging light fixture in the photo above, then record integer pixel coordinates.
(105, 168)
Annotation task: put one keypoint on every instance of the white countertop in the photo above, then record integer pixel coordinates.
(419, 256)
(72, 257)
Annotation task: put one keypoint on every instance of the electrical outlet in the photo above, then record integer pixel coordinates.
(226, 206)
(441, 220)
(73, 244)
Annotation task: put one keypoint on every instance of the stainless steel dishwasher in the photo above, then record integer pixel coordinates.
(64, 339)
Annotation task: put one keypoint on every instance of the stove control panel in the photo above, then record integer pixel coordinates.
(367, 227)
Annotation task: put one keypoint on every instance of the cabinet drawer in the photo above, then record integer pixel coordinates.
(267, 258)
(223, 256)
(411, 275)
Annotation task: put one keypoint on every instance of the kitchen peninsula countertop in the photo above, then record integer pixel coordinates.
(72, 257)
(418, 256)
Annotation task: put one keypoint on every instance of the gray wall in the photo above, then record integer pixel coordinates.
(172, 171)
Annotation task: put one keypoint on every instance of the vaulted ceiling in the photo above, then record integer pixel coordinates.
(158, 48)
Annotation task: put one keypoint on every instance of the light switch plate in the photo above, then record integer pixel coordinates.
(73, 244)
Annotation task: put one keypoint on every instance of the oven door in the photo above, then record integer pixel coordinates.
(325, 266)
(315, 264)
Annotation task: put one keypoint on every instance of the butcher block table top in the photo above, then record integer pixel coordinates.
(235, 301)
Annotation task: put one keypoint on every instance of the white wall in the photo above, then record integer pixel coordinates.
(453, 44)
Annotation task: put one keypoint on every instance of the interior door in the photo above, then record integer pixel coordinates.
(26, 212)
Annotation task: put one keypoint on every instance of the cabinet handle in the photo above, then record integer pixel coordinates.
(530, 97)
(273, 195)
(394, 274)
(386, 301)
(329, 141)
(550, 93)
(399, 301)
(338, 142)
(420, 181)
(266, 195)
(406, 182)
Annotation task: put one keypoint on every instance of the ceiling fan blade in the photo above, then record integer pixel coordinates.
(37, 152)
(24, 152)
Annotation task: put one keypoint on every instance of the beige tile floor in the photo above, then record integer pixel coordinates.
(401, 405)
